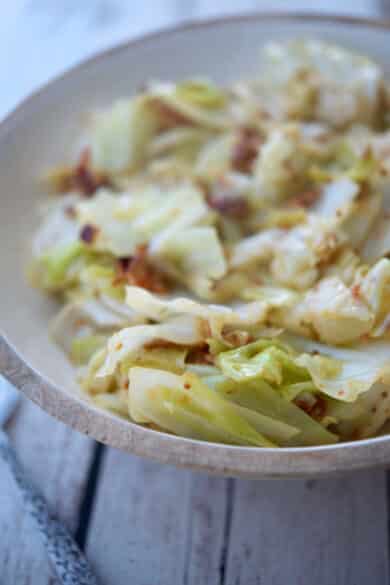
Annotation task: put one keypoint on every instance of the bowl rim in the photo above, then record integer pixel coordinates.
(228, 460)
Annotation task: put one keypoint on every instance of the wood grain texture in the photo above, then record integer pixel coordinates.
(57, 459)
(313, 532)
(154, 524)
(209, 508)
(138, 533)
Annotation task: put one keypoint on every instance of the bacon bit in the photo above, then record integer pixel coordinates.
(316, 410)
(245, 150)
(124, 264)
(126, 384)
(168, 116)
(356, 435)
(305, 199)
(303, 405)
(85, 178)
(200, 355)
(88, 233)
(319, 409)
(137, 271)
(187, 386)
(364, 192)
(81, 177)
(233, 206)
(355, 291)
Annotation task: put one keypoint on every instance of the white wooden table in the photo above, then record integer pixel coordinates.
(139, 522)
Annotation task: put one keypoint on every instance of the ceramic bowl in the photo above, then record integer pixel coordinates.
(42, 132)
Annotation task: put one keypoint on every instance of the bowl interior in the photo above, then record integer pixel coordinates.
(45, 130)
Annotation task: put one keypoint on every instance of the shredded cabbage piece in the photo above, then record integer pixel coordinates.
(186, 406)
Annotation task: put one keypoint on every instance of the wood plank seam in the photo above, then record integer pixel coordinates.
(231, 489)
(89, 496)
(188, 547)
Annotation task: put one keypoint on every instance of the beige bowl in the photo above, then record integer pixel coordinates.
(41, 132)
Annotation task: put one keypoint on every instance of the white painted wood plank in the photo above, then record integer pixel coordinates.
(154, 524)
(208, 508)
(302, 532)
(138, 528)
(314, 532)
(57, 460)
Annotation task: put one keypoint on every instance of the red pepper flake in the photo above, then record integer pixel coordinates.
(305, 199)
(88, 233)
(316, 409)
(85, 178)
(245, 150)
(138, 271)
(355, 291)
